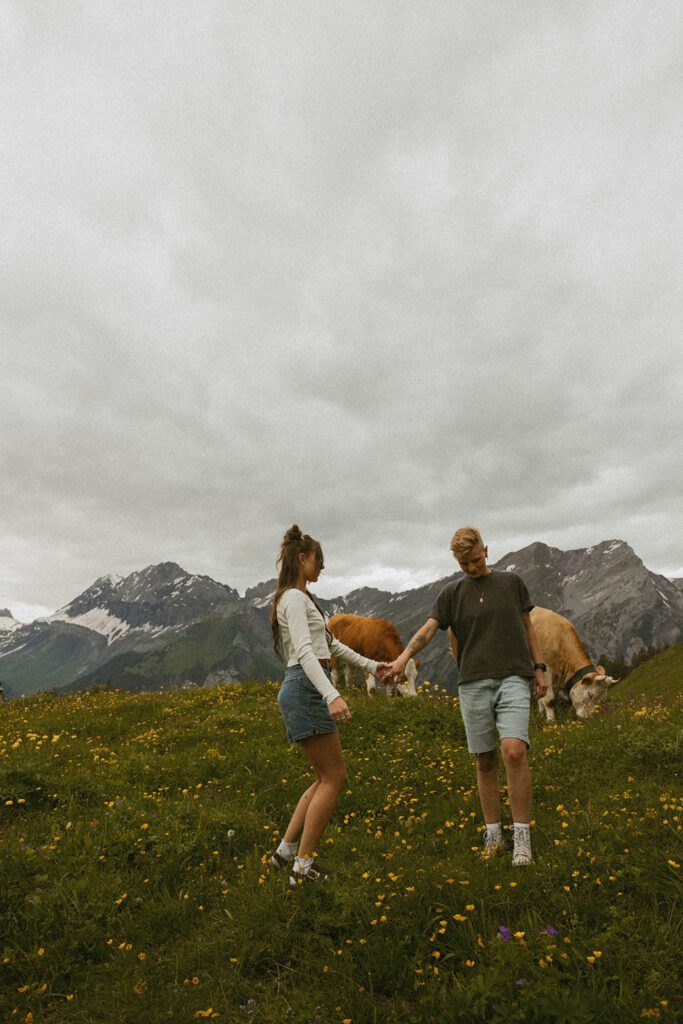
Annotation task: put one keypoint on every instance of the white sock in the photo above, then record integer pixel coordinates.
(522, 827)
(302, 865)
(495, 831)
(288, 850)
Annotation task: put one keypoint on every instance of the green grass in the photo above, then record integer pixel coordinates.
(133, 828)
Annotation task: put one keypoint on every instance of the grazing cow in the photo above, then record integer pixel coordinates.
(569, 668)
(376, 639)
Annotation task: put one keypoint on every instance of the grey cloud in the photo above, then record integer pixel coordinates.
(376, 270)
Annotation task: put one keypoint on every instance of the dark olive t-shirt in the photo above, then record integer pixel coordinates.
(492, 642)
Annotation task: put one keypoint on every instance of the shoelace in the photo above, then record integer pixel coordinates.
(522, 845)
(493, 842)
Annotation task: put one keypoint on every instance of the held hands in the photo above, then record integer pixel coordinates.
(391, 670)
(340, 710)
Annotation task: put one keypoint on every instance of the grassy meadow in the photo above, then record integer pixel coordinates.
(133, 829)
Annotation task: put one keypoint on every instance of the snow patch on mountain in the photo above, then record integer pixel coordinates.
(7, 621)
(97, 619)
(103, 622)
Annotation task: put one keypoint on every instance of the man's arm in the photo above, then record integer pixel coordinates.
(419, 641)
(540, 684)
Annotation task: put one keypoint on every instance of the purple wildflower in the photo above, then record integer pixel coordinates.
(549, 930)
(520, 982)
(505, 933)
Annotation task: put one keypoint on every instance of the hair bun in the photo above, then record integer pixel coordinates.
(293, 535)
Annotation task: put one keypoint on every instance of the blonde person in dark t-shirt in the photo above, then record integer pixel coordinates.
(500, 666)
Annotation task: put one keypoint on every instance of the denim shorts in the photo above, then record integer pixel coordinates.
(493, 708)
(303, 709)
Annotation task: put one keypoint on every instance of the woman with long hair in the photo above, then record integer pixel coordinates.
(310, 705)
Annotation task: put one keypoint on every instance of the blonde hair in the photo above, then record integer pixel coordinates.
(464, 539)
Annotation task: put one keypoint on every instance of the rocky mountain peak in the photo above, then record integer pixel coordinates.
(368, 601)
(151, 600)
(536, 553)
(161, 571)
(614, 549)
(262, 594)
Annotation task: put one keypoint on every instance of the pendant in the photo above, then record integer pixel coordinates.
(481, 600)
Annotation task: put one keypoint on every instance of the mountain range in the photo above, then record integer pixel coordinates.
(163, 627)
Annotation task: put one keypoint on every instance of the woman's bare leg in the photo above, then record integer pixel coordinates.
(325, 754)
(296, 824)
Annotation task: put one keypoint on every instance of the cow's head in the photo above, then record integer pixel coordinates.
(407, 688)
(589, 691)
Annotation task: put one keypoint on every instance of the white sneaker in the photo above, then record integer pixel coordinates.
(522, 849)
(314, 874)
(493, 843)
(276, 860)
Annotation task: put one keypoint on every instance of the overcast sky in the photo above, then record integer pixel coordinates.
(380, 269)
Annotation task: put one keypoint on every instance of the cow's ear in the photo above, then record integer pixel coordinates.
(600, 670)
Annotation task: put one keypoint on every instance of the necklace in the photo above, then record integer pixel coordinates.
(481, 595)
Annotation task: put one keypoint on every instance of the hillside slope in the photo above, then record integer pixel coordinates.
(45, 656)
(661, 676)
(220, 649)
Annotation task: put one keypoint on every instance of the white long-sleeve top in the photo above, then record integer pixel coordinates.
(302, 632)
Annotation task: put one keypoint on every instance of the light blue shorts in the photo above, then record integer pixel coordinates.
(493, 708)
(303, 709)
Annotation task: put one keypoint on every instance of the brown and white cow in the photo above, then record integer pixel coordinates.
(569, 667)
(376, 639)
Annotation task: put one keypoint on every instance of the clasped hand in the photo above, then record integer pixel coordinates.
(340, 710)
(390, 670)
